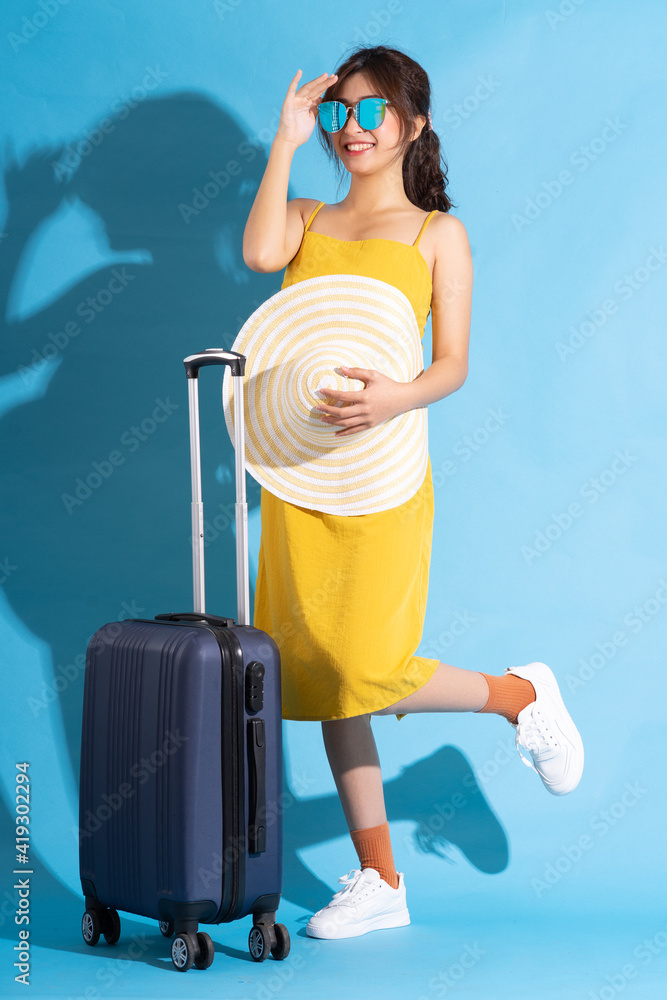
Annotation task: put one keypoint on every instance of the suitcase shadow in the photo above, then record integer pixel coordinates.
(440, 794)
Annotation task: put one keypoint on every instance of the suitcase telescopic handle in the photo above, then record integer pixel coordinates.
(236, 363)
(214, 356)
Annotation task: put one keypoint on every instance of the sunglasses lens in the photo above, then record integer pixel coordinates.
(332, 115)
(371, 112)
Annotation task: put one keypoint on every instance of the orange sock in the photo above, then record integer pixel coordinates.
(508, 694)
(373, 845)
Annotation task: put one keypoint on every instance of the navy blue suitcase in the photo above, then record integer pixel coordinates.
(180, 794)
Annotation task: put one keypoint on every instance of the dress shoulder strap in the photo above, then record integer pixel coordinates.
(424, 225)
(312, 215)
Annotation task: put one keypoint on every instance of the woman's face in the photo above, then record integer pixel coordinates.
(379, 145)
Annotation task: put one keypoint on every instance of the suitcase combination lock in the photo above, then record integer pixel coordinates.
(254, 686)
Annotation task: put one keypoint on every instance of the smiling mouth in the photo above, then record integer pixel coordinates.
(358, 145)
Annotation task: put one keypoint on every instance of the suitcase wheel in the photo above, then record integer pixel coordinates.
(206, 951)
(167, 927)
(112, 929)
(91, 927)
(280, 949)
(184, 948)
(259, 942)
(96, 922)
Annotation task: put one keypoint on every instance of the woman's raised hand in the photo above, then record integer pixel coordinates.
(299, 110)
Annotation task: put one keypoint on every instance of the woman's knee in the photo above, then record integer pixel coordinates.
(354, 724)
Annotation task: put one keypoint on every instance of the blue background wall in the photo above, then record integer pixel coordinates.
(550, 531)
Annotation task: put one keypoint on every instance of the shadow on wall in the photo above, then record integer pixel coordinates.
(94, 463)
(95, 469)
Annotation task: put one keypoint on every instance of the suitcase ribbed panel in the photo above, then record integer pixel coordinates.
(123, 753)
(86, 782)
(163, 805)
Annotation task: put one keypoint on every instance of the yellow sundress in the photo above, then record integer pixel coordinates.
(344, 597)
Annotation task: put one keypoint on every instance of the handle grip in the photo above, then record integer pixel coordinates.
(192, 616)
(214, 356)
(257, 790)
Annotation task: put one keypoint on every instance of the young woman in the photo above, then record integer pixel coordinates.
(351, 656)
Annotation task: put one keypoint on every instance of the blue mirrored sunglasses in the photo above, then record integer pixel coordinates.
(368, 112)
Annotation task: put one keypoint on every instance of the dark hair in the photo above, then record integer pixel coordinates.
(406, 84)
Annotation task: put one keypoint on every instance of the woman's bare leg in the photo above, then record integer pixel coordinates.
(449, 689)
(355, 765)
(352, 753)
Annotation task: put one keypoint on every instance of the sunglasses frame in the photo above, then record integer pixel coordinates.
(355, 109)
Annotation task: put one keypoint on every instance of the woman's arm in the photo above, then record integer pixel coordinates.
(274, 229)
(450, 317)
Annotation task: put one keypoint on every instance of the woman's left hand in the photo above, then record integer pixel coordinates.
(380, 399)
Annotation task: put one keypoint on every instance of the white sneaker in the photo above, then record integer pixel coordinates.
(367, 903)
(545, 729)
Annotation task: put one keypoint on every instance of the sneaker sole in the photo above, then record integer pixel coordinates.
(564, 722)
(332, 931)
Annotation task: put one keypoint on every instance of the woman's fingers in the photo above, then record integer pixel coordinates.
(320, 83)
(292, 86)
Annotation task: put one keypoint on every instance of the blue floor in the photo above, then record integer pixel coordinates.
(466, 951)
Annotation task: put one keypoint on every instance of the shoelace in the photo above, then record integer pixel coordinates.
(535, 736)
(356, 888)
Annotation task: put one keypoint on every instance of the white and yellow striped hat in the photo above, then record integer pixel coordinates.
(293, 344)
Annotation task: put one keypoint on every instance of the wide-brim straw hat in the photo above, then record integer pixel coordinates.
(293, 344)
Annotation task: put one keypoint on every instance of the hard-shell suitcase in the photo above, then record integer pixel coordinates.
(181, 756)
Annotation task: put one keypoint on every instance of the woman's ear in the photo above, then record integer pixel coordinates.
(418, 127)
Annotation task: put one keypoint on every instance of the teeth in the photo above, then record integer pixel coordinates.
(359, 145)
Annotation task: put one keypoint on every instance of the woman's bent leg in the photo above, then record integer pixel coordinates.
(448, 689)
